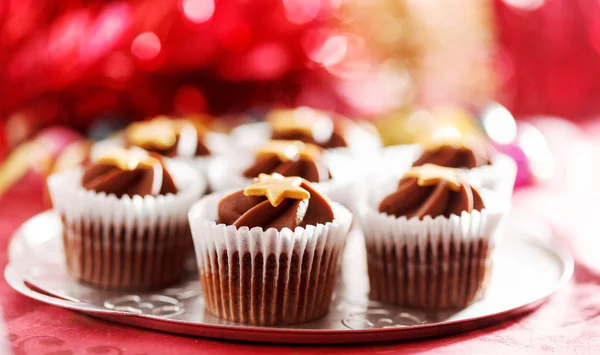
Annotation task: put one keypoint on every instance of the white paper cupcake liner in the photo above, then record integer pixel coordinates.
(433, 263)
(267, 277)
(499, 177)
(226, 173)
(129, 242)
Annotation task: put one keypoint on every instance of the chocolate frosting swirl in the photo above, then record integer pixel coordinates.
(453, 157)
(309, 126)
(107, 176)
(256, 211)
(311, 170)
(290, 158)
(432, 197)
(336, 140)
(187, 136)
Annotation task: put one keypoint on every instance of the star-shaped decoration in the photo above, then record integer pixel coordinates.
(430, 174)
(161, 132)
(277, 188)
(303, 119)
(290, 150)
(128, 159)
(310, 152)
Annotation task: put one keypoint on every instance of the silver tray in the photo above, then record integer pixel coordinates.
(529, 267)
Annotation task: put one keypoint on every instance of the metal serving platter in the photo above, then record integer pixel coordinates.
(529, 267)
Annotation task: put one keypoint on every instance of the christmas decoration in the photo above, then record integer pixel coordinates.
(70, 62)
(73, 62)
(94, 66)
(521, 141)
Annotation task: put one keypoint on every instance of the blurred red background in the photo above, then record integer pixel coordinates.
(549, 56)
(83, 63)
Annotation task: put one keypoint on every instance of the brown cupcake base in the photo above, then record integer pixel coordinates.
(449, 280)
(127, 260)
(279, 289)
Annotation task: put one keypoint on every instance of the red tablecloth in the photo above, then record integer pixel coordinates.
(568, 323)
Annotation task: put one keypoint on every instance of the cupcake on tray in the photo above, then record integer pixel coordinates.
(181, 139)
(269, 254)
(429, 241)
(484, 167)
(327, 130)
(125, 219)
(332, 176)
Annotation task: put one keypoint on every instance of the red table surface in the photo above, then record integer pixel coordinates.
(568, 323)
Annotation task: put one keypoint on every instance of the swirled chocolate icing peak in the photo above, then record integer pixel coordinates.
(274, 201)
(458, 152)
(289, 158)
(169, 137)
(431, 190)
(307, 125)
(128, 172)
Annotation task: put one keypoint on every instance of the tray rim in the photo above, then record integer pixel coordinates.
(293, 335)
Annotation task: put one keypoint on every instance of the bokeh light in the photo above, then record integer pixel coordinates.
(333, 50)
(198, 11)
(108, 30)
(528, 5)
(535, 146)
(499, 124)
(354, 63)
(268, 61)
(118, 67)
(189, 99)
(146, 46)
(301, 11)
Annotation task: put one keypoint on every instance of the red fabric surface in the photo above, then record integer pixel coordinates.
(568, 323)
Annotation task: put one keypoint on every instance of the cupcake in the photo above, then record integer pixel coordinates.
(332, 176)
(484, 167)
(429, 242)
(269, 254)
(289, 158)
(309, 126)
(455, 154)
(326, 130)
(124, 219)
(180, 139)
(169, 137)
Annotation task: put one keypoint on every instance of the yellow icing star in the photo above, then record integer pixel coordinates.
(430, 174)
(303, 119)
(277, 188)
(160, 132)
(310, 152)
(290, 150)
(127, 159)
